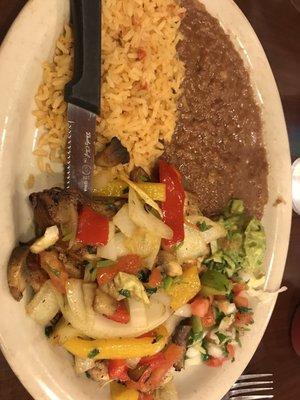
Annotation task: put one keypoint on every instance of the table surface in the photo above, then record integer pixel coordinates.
(277, 24)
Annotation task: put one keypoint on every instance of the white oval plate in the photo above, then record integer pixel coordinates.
(46, 371)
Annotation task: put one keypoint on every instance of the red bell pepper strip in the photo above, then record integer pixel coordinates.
(172, 354)
(117, 369)
(173, 206)
(153, 361)
(131, 264)
(121, 314)
(93, 228)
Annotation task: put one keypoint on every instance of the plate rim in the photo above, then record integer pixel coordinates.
(5, 44)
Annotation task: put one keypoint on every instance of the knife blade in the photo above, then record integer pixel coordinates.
(82, 94)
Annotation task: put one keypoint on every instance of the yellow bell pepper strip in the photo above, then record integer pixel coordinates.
(118, 348)
(184, 288)
(119, 188)
(121, 392)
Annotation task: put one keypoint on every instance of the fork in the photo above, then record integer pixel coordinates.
(248, 387)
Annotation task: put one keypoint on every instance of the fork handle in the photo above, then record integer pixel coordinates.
(83, 90)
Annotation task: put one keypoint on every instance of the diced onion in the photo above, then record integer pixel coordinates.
(215, 230)
(81, 365)
(44, 305)
(114, 249)
(184, 311)
(147, 199)
(97, 326)
(214, 350)
(123, 221)
(75, 298)
(49, 238)
(193, 245)
(145, 219)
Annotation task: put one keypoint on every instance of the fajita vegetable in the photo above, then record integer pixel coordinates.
(136, 293)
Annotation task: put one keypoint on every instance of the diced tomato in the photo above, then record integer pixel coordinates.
(93, 228)
(121, 314)
(153, 361)
(173, 206)
(215, 362)
(209, 319)
(55, 269)
(131, 264)
(230, 349)
(172, 354)
(238, 287)
(200, 306)
(241, 301)
(117, 369)
(155, 278)
(242, 319)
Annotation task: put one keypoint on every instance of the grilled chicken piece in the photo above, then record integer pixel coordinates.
(138, 174)
(55, 207)
(180, 337)
(99, 373)
(16, 271)
(59, 207)
(114, 154)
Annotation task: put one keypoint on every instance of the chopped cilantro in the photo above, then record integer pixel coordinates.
(91, 249)
(177, 246)
(93, 353)
(143, 275)
(54, 271)
(219, 316)
(204, 357)
(125, 293)
(158, 338)
(222, 338)
(48, 330)
(168, 282)
(225, 351)
(203, 226)
(245, 310)
(229, 297)
(151, 290)
(104, 263)
(237, 338)
(144, 178)
(125, 190)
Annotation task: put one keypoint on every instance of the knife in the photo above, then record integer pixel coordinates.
(82, 95)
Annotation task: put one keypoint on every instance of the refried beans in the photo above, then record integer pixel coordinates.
(217, 144)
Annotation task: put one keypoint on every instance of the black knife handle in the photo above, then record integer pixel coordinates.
(84, 89)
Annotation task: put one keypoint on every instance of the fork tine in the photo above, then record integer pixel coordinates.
(250, 390)
(250, 383)
(253, 376)
(255, 397)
